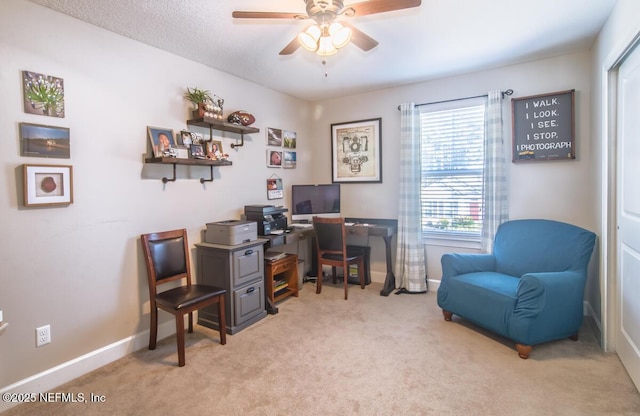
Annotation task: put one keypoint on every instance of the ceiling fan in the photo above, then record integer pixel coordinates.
(327, 35)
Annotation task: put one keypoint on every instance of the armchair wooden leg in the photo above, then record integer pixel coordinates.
(153, 329)
(180, 339)
(190, 322)
(574, 337)
(524, 350)
(447, 315)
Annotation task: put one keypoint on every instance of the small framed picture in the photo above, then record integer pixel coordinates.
(274, 158)
(47, 185)
(215, 148)
(185, 138)
(197, 151)
(43, 94)
(289, 139)
(274, 188)
(162, 140)
(289, 160)
(44, 141)
(274, 137)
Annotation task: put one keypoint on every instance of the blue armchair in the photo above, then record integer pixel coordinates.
(529, 290)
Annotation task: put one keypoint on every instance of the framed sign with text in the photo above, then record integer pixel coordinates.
(544, 127)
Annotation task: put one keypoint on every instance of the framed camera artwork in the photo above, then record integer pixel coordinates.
(356, 149)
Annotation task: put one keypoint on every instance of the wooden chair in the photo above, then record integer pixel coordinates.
(331, 246)
(167, 257)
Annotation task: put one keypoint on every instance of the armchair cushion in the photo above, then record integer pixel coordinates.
(530, 289)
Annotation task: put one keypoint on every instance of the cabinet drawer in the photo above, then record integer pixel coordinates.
(247, 263)
(248, 301)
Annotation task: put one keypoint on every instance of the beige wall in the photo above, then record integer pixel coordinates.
(560, 190)
(79, 268)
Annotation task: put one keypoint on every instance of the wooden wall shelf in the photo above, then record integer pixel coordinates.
(193, 162)
(215, 124)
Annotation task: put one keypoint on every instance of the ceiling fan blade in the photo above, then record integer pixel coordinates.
(360, 39)
(381, 6)
(266, 15)
(291, 47)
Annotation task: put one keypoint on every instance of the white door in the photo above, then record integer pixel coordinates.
(628, 258)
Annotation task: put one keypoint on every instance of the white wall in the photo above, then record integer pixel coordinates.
(560, 190)
(79, 268)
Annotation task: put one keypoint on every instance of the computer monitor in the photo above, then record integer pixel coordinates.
(308, 201)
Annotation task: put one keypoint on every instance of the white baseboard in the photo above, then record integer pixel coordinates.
(67, 371)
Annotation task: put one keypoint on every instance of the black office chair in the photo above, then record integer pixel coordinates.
(167, 257)
(331, 246)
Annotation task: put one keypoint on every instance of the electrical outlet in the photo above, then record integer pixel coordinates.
(43, 335)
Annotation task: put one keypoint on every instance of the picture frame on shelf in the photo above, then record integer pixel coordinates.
(274, 158)
(47, 185)
(161, 139)
(185, 138)
(38, 140)
(197, 151)
(215, 148)
(43, 94)
(356, 149)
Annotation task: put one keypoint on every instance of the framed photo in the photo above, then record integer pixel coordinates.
(274, 137)
(44, 141)
(356, 149)
(197, 151)
(215, 148)
(289, 160)
(274, 188)
(185, 138)
(47, 185)
(274, 158)
(289, 139)
(162, 140)
(43, 94)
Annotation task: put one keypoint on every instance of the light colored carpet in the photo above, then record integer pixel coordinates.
(369, 355)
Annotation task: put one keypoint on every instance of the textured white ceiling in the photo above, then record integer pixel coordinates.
(438, 39)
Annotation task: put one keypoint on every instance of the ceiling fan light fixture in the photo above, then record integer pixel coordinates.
(340, 35)
(309, 38)
(325, 46)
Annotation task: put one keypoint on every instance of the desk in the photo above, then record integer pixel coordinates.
(384, 228)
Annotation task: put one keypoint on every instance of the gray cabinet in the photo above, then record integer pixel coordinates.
(240, 271)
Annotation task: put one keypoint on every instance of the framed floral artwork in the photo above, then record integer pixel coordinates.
(43, 94)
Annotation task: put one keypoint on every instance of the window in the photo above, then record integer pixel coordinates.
(452, 139)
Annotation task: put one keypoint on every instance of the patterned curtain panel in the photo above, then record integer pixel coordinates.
(410, 266)
(495, 176)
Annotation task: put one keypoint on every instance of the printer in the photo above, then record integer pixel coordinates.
(268, 217)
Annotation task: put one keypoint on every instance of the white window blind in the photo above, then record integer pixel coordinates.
(452, 138)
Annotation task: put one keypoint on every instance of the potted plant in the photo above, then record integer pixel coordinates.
(198, 97)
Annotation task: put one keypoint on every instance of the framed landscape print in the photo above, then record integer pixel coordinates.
(47, 185)
(44, 141)
(356, 149)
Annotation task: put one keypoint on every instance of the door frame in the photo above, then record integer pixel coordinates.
(609, 218)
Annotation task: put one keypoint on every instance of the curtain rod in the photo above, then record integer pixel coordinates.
(507, 92)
